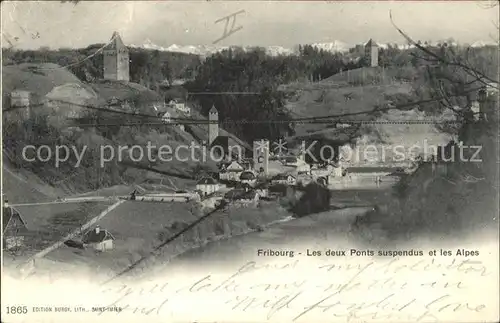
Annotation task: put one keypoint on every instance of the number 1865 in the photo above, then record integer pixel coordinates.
(17, 309)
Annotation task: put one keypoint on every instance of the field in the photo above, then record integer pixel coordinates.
(38, 78)
(139, 227)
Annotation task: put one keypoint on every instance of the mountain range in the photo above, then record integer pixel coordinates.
(335, 46)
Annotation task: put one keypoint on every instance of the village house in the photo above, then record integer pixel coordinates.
(242, 197)
(207, 186)
(25, 104)
(21, 99)
(166, 117)
(98, 239)
(179, 105)
(14, 227)
(231, 172)
(285, 179)
(492, 88)
(248, 177)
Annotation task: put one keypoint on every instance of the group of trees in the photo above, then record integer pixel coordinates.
(238, 71)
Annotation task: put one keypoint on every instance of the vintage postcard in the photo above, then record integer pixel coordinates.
(250, 161)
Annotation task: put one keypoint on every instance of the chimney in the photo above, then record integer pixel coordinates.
(97, 230)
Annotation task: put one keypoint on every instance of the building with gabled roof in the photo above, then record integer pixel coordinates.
(14, 227)
(242, 196)
(180, 105)
(286, 179)
(116, 60)
(232, 171)
(99, 239)
(207, 186)
(248, 177)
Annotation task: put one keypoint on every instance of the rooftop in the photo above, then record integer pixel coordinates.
(247, 175)
(8, 214)
(283, 176)
(116, 42)
(93, 236)
(371, 42)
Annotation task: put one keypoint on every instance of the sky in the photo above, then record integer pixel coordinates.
(264, 23)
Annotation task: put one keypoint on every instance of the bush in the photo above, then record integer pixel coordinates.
(400, 189)
(315, 199)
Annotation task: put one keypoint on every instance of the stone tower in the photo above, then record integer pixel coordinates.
(116, 60)
(261, 156)
(213, 126)
(371, 53)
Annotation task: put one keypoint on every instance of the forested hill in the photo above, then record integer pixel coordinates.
(147, 67)
(247, 115)
(238, 70)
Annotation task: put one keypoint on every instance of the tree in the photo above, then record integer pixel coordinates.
(316, 199)
(454, 76)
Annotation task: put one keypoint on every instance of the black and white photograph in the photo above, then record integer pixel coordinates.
(250, 161)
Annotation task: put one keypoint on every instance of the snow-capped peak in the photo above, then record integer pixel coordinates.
(206, 50)
(335, 46)
(482, 43)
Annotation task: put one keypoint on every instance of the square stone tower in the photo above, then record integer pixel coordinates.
(261, 156)
(116, 60)
(213, 126)
(371, 53)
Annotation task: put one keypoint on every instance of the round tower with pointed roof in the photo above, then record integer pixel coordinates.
(213, 126)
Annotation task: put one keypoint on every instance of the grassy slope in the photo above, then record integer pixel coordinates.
(46, 76)
(137, 228)
(328, 97)
(38, 78)
(46, 223)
